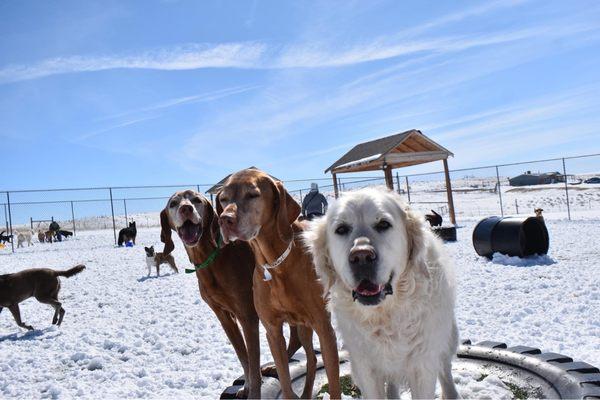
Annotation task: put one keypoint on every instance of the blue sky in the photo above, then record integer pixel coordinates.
(141, 92)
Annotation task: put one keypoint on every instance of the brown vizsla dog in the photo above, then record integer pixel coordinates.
(224, 276)
(256, 209)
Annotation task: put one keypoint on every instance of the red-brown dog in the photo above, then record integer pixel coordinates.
(254, 208)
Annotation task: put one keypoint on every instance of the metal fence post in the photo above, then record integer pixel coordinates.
(73, 219)
(398, 183)
(407, 188)
(499, 191)
(198, 187)
(112, 210)
(12, 240)
(566, 189)
(125, 207)
(300, 196)
(6, 218)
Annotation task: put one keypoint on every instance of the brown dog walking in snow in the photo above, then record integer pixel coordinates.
(41, 283)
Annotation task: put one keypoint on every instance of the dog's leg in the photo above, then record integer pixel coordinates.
(294, 343)
(59, 312)
(449, 390)
(278, 351)
(237, 341)
(331, 360)
(157, 269)
(252, 338)
(305, 335)
(422, 383)
(14, 309)
(370, 383)
(173, 266)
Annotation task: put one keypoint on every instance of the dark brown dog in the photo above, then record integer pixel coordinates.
(41, 283)
(255, 208)
(225, 283)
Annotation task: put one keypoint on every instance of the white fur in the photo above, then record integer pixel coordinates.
(150, 262)
(409, 338)
(24, 236)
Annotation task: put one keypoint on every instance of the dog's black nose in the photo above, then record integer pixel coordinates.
(362, 255)
(186, 210)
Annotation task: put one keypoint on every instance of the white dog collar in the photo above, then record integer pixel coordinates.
(276, 263)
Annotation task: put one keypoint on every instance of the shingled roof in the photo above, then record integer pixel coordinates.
(215, 188)
(399, 150)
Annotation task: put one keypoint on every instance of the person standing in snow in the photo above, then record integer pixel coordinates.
(314, 203)
(55, 228)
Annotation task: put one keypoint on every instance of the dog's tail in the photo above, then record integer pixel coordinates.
(70, 272)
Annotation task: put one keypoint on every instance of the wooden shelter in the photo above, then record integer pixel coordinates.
(395, 151)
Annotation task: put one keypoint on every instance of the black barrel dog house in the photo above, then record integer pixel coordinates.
(512, 236)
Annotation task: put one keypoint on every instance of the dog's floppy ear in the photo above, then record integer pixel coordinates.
(315, 240)
(165, 232)
(287, 211)
(210, 223)
(218, 204)
(416, 235)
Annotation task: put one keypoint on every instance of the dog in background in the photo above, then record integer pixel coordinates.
(391, 288)
(24, 236)
(154, 259)
(127, 234)
(5, 238)
(41, 283)
(41, 236)
(49, 236)
(434, 219)
(538, 214)
(65, 234)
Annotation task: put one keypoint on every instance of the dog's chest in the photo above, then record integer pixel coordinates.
(150, 262)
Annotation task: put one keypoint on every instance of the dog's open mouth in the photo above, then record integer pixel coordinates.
(189, 232)
(371, 294)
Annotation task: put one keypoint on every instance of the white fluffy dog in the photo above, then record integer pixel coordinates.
(391, 289)
(24, 236)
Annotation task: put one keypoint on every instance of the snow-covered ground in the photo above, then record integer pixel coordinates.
(125, 335)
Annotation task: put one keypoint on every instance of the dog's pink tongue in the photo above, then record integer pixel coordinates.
(368, 288)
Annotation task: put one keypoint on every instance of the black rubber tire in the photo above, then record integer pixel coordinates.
(568, 379)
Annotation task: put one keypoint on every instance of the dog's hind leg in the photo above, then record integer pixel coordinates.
(173, 266)
(14, 309)
(305, 335)
(252, 338)
(449, 390)
(236, 339)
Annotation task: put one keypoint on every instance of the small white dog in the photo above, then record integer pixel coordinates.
(391, 288)
(24, 236)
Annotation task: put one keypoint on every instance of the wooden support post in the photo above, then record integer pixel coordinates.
(335, 186)
(449, 192)
(389, 179)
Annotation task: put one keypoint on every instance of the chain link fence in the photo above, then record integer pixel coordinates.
(562, 187)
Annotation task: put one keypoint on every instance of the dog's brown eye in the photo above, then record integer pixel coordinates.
(173, 204)
(342, 230)
(252, 195)
(196, 200)
(382, 225)
(223, 200)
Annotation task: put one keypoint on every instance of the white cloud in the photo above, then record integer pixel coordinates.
(191, 56)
